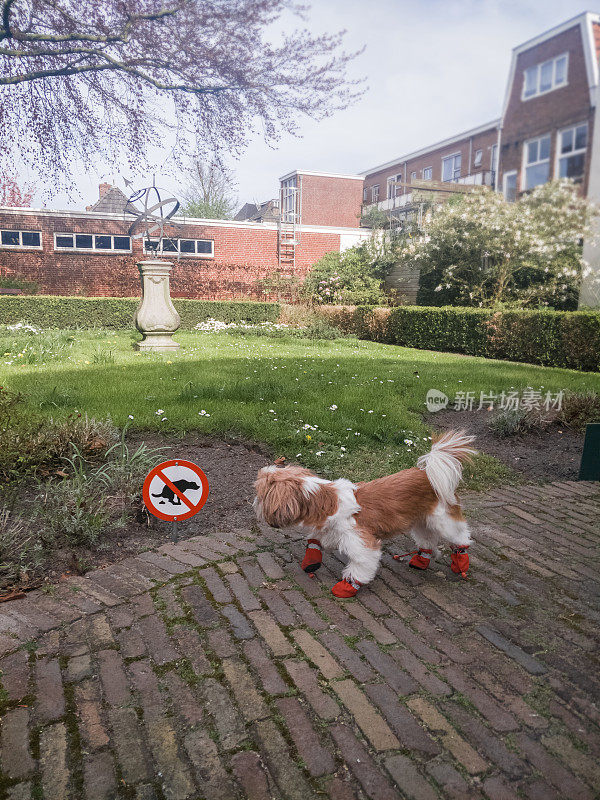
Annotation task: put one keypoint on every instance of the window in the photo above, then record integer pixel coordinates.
(289, 200)
(365, 195)
(510, 186)
(537, 162)
(572, 143)
(187, 247)
(91, 242)
(545, 77)
(21, 239)
(478, 158)
(427, 173)
(391, 188)
(375, 193)
(451, 167)
(413, 176)
(494, 158)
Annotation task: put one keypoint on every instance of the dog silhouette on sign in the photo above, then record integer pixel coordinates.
(169, 495)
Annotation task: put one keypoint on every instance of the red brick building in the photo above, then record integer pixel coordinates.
(545, 130)
(92, 252)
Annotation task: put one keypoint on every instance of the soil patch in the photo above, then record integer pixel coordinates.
(553, 454)
(231, 469)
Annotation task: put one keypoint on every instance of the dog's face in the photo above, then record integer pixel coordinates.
(288, 496)
(281, 499)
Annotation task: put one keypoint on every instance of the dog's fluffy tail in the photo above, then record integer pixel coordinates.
(443, 464)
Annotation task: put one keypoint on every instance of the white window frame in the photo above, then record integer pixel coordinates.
(375, 193)
(454, 177)
(494, 157)
(160, 251)
(99, 250)
(554, 86)
(21, 246)
(509, 174)
(478, 158)
(424, 170)
(525, 165)
(391, 187)
(365, 194)
(559, 155)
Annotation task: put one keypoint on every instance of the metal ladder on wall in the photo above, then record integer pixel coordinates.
(290, 215)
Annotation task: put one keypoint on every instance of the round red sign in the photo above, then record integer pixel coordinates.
(175, 490)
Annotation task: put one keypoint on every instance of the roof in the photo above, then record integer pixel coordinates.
(114, 201)
(321, 175)
(431, 148)
(268, 210)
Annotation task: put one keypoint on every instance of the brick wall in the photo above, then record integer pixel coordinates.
(549, 112)
(243, 256)
(329, 200)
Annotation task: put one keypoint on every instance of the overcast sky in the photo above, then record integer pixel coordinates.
(433, 69)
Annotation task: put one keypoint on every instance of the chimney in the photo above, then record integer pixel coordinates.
(103, 189)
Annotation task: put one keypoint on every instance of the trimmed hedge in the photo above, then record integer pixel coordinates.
(49, 311)
(552, 338)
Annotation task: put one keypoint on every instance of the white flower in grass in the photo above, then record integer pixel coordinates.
(159, 412)
(130, 416)
(333, 407)
(203, 413)
(320, 452)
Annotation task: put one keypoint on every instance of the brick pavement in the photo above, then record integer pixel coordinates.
(216, 669)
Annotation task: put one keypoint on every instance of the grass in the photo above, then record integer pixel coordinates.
(279, 391)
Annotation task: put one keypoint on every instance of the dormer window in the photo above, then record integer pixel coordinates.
(545, 77)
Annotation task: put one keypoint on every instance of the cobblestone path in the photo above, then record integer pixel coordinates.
(217, 669)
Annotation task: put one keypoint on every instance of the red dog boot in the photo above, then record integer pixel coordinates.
(313, 556)
(421, 559)
(460, 560)
(346, 588)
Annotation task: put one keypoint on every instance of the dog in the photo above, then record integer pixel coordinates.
(357, 518)
(168, 494)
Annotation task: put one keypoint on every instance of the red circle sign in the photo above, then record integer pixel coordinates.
(175, 490)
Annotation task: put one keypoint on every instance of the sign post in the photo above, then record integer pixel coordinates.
(174, 491)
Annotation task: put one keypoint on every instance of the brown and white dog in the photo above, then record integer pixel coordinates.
(357, 518)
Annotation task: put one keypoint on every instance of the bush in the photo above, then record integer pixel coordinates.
(355, 276)
(480, 250)
(551, 338)
(48, 311)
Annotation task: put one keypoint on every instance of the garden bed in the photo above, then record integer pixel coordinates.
(553, 454)
(231, 468)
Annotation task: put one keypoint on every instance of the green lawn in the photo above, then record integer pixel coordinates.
(279, 391)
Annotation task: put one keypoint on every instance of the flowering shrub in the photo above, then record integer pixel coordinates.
(480, 250)
(355, 276)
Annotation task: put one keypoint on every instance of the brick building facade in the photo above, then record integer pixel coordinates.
(545, 130)
(91, 253)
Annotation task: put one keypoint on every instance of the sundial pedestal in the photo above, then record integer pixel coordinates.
(156, 317)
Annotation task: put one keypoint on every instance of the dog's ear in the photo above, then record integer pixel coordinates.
(281, 498)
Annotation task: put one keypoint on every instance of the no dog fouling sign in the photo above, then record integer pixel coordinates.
(175, 490)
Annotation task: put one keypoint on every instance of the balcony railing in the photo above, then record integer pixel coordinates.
(484, 178)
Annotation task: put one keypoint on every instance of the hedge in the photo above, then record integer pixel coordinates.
(49, 311)
(552, 338)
